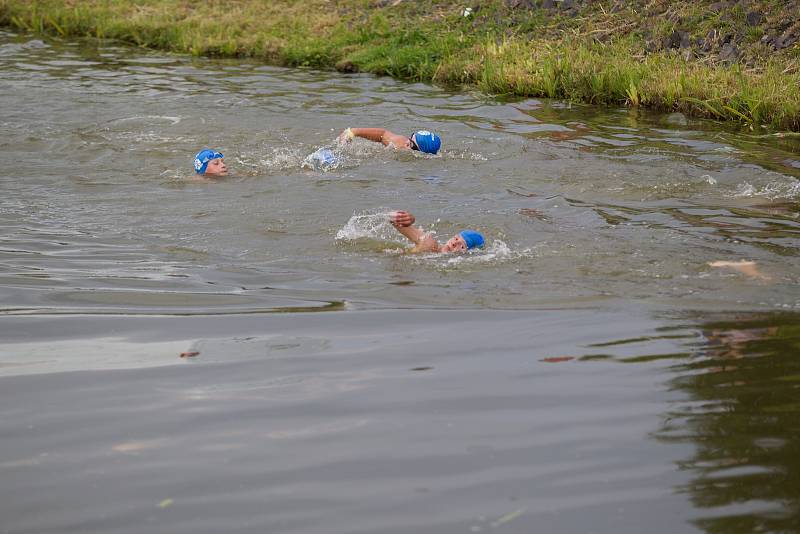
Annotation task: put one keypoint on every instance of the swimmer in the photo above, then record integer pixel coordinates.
(210, 163)
(425, 242)
(422, 140)
(745, 267)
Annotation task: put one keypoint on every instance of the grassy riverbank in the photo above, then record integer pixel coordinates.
(728, 60)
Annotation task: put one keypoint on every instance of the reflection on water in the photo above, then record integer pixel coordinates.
(743, 416)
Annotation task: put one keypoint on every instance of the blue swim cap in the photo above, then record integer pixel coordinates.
(203, 157)
(472, 238)
(426, 141)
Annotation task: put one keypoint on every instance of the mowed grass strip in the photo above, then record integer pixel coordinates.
(598, 57)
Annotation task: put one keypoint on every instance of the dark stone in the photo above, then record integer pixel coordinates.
(700, 43)
(346, 66)
(754, 18)
(653, 46)
(678, 39)
(521, 4)
(785, 41)
(716, 7)
(785, 23)
(548, 4)
(567, 4)
(729, 52)
(777, 42)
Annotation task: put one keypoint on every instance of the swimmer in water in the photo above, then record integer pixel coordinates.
(425, 242)
(422, 140)
(209, 162)
(745, 267)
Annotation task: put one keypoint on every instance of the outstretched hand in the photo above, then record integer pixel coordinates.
(346, 136)
(401, 218)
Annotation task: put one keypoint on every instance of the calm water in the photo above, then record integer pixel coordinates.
(589, 371)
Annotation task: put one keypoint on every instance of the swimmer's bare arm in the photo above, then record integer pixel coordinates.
(423, 241)
(378, 135)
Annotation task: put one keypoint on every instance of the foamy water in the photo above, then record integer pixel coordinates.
(784, 188)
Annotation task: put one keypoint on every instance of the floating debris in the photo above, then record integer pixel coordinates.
(557, 359)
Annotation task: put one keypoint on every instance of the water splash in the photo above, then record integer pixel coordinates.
(282, 158)
(497, 252)
(287, 157)
(360, 148)
(374, 225)
(773, 190)
(324, 159)
(464, 154)
(371, 224)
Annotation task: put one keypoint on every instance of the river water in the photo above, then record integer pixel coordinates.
(591, 370)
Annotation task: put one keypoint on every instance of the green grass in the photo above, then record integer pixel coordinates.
(596, 57)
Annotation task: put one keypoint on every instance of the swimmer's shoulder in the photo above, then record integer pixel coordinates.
(427, 244)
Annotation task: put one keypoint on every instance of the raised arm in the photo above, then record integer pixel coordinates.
(404, 222)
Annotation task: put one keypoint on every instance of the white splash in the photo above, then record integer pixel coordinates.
(773, 190)
(282, 158)
(371, 224)
(497, 251)
(464, 154)
(324, 159)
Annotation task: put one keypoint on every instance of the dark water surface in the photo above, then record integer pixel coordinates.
(590, 371)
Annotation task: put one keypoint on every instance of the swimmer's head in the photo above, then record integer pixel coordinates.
(425, 141)
(210, 163)
(472, 239)
(463, 241)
